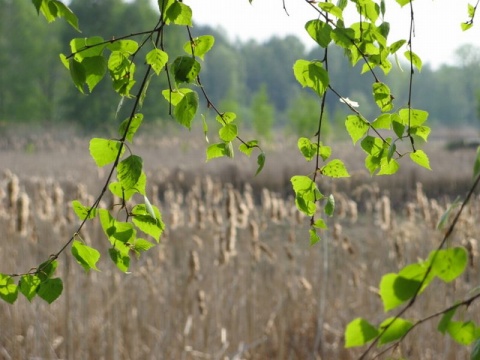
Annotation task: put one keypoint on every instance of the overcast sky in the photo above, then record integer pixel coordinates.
(438, 32)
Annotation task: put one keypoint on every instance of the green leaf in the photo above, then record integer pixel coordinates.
(343, 37)
(247, 148)
(395, 290)
(260, 162)
(314, 237)
(185, 69)
(50, 289)
(179, 14)
(129, 171)
(157, 59)
(359, 332)
(65, 12)
(307, 148)
(137, 120)
(396, 46)
(78, 74)
(28, 286)
(142, 218)
(186, 109)
(8, 289)
(200, 45)
(142, 245)
(125, 47)
(84, 48)
(384, 121)
(396, 329)
(403, 2)
(306, 194)
(335, 169)
(226, 118)
(117, 189)
(421, 131)
(413, 117)
(311, 74)
(319, 31)
(83, 212)
(330, 205)
(382, 96)
(104, 151)
(85, 255)
(46, 269)
(388, 167)
(420, 158)
(466, 25)
(216, 150)
(331, 9)
(450, 263)
(356, 126)
(320, 224)
(463, 333)
(414, 59)
(95, 69)
(445, 320)
(228, 132)
(121, 260)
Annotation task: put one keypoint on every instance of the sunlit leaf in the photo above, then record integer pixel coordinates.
(356, 126)
(50, 289)
(359, 332)
(85, 255)
(335, 169)
(104, 151)
(311, 74)
(8, 289)
(420, 158)
(396, 329)
(200, 45)
(157, 59)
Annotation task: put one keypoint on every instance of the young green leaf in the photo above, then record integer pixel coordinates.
(95, 69)
(137, 120)
(307, 148)
(78, 74)
(216, 150)
(356, 126)
(186, 109)
(247, 148)
(28, 285)
(445, 320)
(200, 45)
(320, 224)
(228, 132)
(414, 59)
(420, 158)
(179, 14)
(46, 269)
(450, 263)
(311, 74)
(319, 31)
(330, 205)
(142, 245)
(157, 59)
(65, 12)
(104, 151)
(50, 289)
(462, 332)
(396, 329)
(226, 118)
(122, 260)
(413, 117)
(185, 69)
(395, 290)
(129, 171)
(83, 212)
(475, 354)
(85, 255)
(8, 289)
(83, 48)
(314, 237)
(260, 162)
(142, 218)
(359, 332)
(331, 9)
(335, 169)
(117, 189)
(382, 96)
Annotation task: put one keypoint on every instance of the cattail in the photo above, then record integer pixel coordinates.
(194, 265)
(337, 232)
(202, 303)
(13, 190)
(23, 213)
(266, 201)
(254, 233)
(385, 215)
(58, 203)
(353, 211)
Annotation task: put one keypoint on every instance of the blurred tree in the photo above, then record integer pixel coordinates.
(263, 113)
(302, 116)
(27, 90)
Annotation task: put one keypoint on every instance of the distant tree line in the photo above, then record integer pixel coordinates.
(253, 79)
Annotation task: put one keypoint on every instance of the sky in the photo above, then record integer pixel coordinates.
(437, 23)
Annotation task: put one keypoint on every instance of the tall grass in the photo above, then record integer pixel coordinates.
(233, 278)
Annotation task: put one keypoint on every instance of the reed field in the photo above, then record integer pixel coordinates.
(234, 276)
